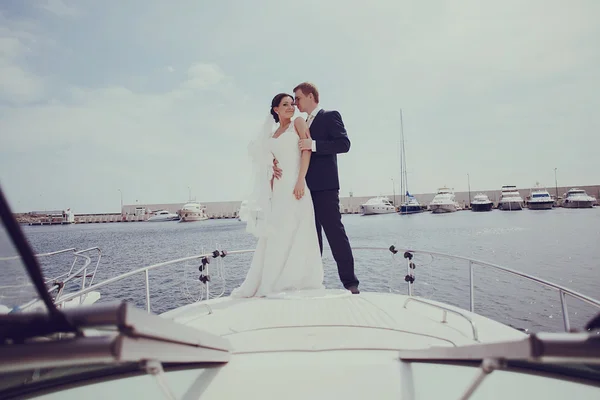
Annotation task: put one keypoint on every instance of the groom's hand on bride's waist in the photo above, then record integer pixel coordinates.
(276, 170)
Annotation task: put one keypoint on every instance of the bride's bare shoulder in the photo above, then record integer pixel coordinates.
(301, 127)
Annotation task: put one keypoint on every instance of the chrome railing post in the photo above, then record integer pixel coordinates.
(83, 279)
(471, 294)
(409, 273)
(83, 296)
(72, 265)
(207, 284)
(147, 291)
(565, 311)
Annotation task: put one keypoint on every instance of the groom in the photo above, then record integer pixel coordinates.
(328, 138)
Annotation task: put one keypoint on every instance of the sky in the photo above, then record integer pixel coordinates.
(154, 99)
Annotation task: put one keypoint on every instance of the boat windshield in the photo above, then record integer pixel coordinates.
(576, 370)
(14, 384)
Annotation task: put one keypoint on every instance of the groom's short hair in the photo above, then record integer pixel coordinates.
(308, 88)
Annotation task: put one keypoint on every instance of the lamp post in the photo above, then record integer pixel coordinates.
(556, 185)
(121, 193)
(189, 194)
(469, 185)
(394, 191)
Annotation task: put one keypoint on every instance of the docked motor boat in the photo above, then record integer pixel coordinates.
(163, 215)
(540, 199)
(510, 199)
(377, 205)
(411, 205)
(242, 209)
(577, 198)
(192, 211)
(481, 202)
(444, 202)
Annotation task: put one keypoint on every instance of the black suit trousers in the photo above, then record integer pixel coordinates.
(326, 204)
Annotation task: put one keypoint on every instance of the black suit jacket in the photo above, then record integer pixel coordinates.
(328, 131)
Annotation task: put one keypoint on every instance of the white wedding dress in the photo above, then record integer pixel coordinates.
(288, 258)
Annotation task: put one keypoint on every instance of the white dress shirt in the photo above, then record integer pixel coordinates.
(314, 114)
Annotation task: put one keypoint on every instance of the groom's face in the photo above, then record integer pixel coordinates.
(302, 102)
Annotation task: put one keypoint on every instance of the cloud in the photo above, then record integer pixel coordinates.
(111, 116)
(59, 8)
(17, 85)
(201, 75)
(10, 48)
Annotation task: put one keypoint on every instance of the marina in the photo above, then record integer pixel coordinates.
(410, 204)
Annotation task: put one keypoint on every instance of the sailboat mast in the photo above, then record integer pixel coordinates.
(403, 176)
(400, 158)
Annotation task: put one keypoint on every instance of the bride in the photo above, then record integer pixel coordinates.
(280, 211)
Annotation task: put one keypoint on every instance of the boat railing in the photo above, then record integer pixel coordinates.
(562, 291)
(445, 311)
(58, 283)
(82, 272)
(204, 258)
(408, 254)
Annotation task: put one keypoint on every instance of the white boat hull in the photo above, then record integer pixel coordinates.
(578, 204)
(482, 207)
(442, 208)
(376, 209)
(185, 217)
(510, 205)
(192, 212)
(540, 205)
(163, 219)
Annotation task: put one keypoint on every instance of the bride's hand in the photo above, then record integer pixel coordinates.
(299, 189)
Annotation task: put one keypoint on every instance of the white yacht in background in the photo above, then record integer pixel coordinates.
(481, 202)
(242, 209)
(377, 205)
(540, 199)
(192, 211)
(510, 199)
(577, 198)
(163, 215)
(444, 202)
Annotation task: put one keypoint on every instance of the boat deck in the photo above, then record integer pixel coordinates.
(328, 320)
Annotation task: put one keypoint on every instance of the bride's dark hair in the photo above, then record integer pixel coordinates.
(275, 103)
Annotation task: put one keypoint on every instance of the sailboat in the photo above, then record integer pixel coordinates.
(409, 205)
